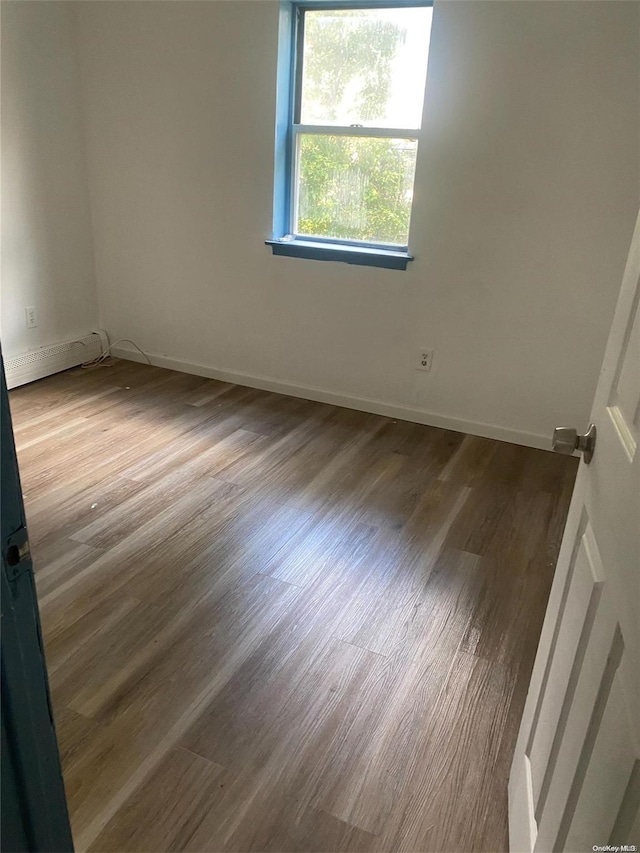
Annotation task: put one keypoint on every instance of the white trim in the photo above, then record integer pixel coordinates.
(362, 404)
(357, 130)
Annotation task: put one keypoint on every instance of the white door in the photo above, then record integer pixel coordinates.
(575, 777)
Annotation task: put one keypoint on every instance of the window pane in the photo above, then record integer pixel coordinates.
(365, 66)
(355, 187)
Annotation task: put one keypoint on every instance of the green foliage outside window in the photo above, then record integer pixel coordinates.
(342, 49)
(352, 187)
(356, 188)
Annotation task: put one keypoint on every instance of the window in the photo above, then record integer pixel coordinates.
(351, 91)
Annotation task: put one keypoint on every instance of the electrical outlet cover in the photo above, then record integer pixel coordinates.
(425, 359)
(31, 319)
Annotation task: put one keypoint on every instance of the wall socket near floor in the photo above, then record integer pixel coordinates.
(30, 317)
(425, 359)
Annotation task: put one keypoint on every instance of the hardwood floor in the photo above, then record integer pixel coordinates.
(278, 625)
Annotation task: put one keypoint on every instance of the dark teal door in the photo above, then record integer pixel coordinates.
(34, 808)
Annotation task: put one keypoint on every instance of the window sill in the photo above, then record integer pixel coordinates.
(392, 259)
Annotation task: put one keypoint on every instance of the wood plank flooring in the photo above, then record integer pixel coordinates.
(277, 625)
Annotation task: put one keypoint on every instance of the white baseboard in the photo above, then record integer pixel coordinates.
(44, 361)
(322, 395)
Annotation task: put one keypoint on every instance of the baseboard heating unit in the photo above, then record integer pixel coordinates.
(52, 359)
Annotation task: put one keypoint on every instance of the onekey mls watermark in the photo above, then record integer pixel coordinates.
(612, 848)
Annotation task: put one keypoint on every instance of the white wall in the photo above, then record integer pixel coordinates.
(526, 192)
(47, 244)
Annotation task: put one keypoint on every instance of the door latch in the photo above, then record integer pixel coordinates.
(17, 555)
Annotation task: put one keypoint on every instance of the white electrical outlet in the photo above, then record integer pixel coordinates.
(30, 316)
(425, 359)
